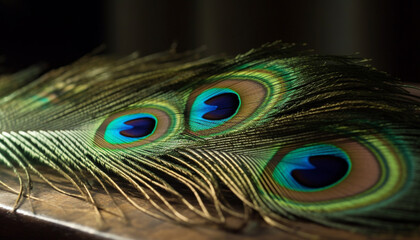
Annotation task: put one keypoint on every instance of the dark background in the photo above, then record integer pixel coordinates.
(59, 32)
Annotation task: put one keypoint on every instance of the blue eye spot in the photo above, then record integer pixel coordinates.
(213, 108)
(130, 128)
(312, 168)
(328, 169)
(142, 127)
(227, 105)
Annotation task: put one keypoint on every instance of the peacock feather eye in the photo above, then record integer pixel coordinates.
(146, 125)
(336, 175)
(130, 128)
(213, 107)
(235, 100)
(312, 168)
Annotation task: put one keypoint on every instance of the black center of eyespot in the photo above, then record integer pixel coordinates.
(227, 105)
(141, 127)
(328, 170)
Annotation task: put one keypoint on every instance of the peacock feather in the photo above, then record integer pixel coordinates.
(278, 131)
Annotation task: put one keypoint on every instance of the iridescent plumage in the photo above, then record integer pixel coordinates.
(289, 134)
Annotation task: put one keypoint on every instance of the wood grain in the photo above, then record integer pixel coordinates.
(52, 215)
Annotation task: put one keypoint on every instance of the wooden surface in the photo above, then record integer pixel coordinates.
(57, 216)
(53, 215)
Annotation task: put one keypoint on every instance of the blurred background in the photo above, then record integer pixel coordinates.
(59, 32)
